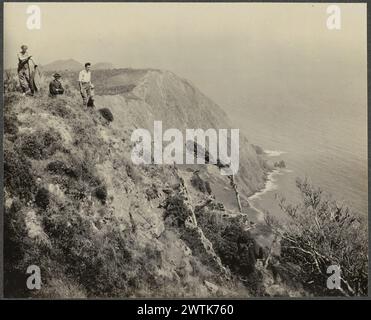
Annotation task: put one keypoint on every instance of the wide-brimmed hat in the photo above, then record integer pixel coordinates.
(57, 75)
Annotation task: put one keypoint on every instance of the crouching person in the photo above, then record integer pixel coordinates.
(55, 86)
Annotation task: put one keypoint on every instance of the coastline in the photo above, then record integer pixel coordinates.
(263, 234)
(269, 185)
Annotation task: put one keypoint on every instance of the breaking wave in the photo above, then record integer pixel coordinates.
(270, 184)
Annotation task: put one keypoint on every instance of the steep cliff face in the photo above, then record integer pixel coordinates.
(96, 224)
(161, 95)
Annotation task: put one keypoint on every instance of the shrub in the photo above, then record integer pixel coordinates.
(15, 243)
(232, 244)
(151, 192)
(176, 210)
(235, 247)
(59, 167)
(42, 198)
(77, 176)
(321, 233)
(238, 250)
(76, 168)
(76, 190)
(88, 174)
(39, 145)
(18, 177)
(106, 114)
(10, 123)
(101, 193)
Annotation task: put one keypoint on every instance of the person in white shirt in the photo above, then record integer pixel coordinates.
(24, 72)
(85, 83)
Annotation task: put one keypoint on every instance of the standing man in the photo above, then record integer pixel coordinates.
(55, 86)
(85, 83)
(24, 72)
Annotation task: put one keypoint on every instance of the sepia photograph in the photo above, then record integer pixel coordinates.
(185, 150)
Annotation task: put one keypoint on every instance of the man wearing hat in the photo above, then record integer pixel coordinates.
(55, 86)
(24, 73)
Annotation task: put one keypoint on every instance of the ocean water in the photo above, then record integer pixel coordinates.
(322, 141)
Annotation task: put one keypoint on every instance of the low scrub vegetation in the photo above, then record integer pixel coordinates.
(321, 233)
(38, 145)
(18, 174)
(235, 246)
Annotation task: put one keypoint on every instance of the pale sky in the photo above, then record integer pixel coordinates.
(214, 45)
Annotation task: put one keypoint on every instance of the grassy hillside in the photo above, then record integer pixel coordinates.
(97, 225)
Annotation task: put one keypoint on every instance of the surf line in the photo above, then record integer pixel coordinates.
(268, 186)
(219, 141)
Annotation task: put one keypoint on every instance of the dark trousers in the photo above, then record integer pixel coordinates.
(85, 92)
(25, 79)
